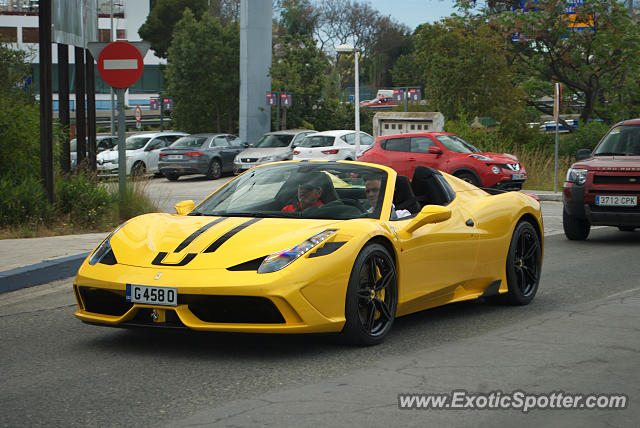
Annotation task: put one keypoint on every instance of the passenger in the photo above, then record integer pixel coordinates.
(372, 187)
(309, 195)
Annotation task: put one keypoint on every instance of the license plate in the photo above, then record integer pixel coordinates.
(616, 201)
(165, 296)
(517, 176)
(174, 157)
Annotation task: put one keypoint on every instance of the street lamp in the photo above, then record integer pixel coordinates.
(346, 48)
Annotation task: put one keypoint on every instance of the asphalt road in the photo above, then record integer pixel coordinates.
(56, 371)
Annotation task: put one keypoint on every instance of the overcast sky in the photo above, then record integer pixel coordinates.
(414, 12)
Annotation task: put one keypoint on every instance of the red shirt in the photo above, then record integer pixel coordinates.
(293, 208)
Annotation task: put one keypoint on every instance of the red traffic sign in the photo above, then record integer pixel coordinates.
(120, 64)
(138, 114)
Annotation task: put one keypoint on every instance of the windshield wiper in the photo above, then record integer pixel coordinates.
(195, 213)
(609, 154)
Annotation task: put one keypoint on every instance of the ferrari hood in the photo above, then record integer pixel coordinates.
(199, 242)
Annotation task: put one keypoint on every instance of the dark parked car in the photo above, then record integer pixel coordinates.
(208, 154)
(449, 153)
(602, 187)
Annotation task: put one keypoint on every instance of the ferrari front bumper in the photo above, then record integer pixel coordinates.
(217, 300)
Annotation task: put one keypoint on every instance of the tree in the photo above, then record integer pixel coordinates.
(464, 69)
(300, 68)
(596, 65)
(19, 118)
(162, 18)
(202, 74)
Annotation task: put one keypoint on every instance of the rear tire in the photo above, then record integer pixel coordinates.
(523, 264)
(575, 228)
(372, 297)
(469, 178)
(215, 170)
(172, 176)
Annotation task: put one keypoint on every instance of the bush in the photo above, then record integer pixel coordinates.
(87, 204)
(586, 136)
(24, 202)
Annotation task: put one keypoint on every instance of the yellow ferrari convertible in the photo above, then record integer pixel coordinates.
(309, 247)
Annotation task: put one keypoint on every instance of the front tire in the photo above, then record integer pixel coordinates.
(575, 228)
(469, 178)
(215, 170)
(372, 297)
(139, 169)
(524, 264)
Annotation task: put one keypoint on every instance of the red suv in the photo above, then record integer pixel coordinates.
(449, 153)
(602, 188)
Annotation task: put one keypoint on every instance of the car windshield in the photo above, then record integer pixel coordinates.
(135, 143)
(323, 190)
(188, 142)
(274, 140)
(621, 141)
(456, 144)
(317, 141)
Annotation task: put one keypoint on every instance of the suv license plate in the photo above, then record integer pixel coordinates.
(165, 296)
(616, 201)
(517, 176)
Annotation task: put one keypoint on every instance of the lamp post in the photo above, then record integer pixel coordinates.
(346, 48)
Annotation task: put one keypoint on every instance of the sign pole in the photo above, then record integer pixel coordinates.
(278, 110)
(122, 146)
(556, 113)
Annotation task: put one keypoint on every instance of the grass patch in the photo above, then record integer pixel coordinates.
(83, 204)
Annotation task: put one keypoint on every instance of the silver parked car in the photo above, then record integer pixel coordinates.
(271, 147)
(208, 154)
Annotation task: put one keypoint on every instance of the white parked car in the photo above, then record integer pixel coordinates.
(103, 142)
(142, 153)
(332, 145)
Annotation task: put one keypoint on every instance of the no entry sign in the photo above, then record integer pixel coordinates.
(120, 64)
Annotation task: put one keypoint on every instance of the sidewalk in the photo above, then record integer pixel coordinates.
(33, 261)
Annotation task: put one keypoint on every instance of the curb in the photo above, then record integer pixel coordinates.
(549, 197)
(40, 273)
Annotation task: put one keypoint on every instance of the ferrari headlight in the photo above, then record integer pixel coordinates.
(578, 176)
(276, 261)
(103, 248)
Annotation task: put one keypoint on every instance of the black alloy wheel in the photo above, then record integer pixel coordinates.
(524, 264)
(215, 170)
(372, 297)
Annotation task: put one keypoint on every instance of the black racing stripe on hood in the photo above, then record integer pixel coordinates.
(327, 248)
(197, 233)
(224, 238)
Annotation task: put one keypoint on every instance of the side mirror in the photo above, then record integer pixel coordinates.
(184, 207)
(583, 154)
(245, 145)
(430, 214)
(434, 150)
(149, 148)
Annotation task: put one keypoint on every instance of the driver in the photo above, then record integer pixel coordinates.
(309, 195)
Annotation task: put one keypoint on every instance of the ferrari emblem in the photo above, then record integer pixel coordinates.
(158, 275)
